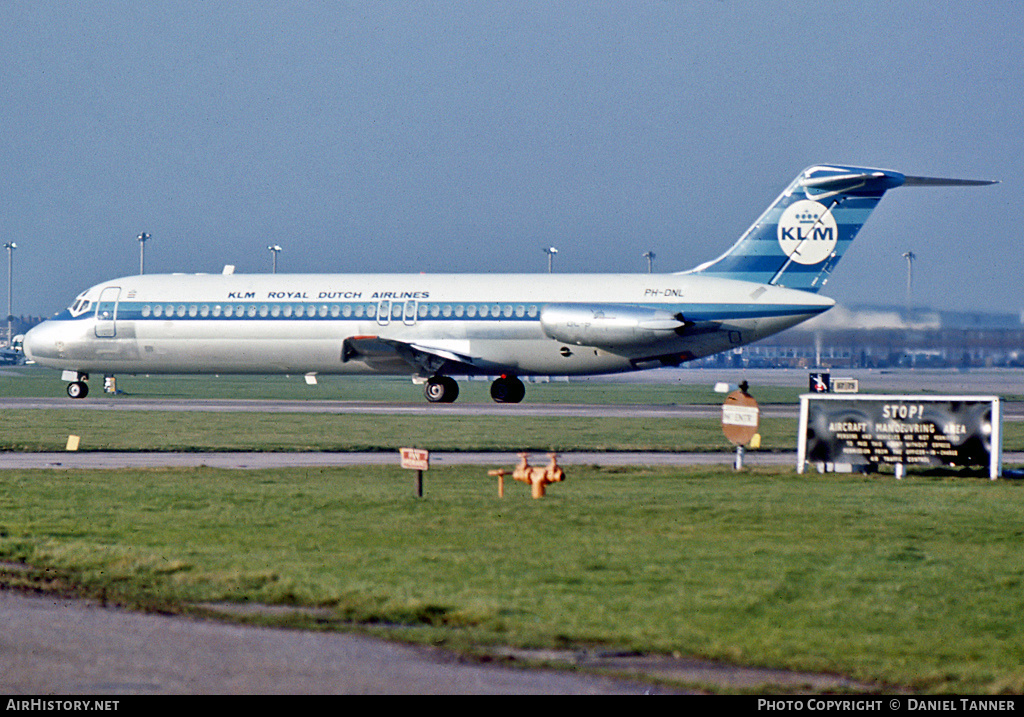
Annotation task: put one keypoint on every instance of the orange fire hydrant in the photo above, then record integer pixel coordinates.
(538, 477)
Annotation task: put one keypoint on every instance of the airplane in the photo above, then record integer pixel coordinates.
(436, 326)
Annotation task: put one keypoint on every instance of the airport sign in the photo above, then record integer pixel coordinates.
(740, 417)
(899, 431)
(416, 459)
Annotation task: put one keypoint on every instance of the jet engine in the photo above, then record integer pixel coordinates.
(612, 326)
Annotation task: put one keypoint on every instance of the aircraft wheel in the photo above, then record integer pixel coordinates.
(508, 389)
(78, 389)
(441, 389)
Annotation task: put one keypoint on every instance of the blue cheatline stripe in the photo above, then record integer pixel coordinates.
(249, 311)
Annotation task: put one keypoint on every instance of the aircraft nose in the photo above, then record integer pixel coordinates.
(42, 342)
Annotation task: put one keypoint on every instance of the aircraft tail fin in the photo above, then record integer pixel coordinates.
(801, 237)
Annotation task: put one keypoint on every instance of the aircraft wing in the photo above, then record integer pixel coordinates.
(388, 354)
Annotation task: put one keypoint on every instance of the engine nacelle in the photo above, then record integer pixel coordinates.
(609, 325)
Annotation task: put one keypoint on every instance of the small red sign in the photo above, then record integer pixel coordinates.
(417, 459)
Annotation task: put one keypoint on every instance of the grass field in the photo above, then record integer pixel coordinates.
(47, 430)
(916, 583)
(35, 381)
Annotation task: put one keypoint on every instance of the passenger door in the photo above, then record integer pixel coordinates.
(106, 312)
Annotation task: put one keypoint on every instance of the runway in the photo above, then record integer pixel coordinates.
(103, 460)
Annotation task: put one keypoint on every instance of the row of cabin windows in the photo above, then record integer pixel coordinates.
(398, 310)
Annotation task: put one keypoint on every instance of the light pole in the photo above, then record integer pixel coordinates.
(649, 256)
(909, 256)
(10, 247)
(274, 249)
(143, 238)
(550, 251)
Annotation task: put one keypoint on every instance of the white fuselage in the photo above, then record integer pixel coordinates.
(463, 323)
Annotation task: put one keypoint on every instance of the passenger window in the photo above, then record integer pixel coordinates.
(446, 311)
(435, 310)
(193, 311)
(335, 311)
(483, 310)
(359, 311)
(371, 310)
(471, 310)
(520, 311)
(507, 311)
(146, 311)
(532, 312)
(158, 310)
(346, 310)
(459, 310)
(275, 310)
(181, 311)
(264, 310)
(204, 310)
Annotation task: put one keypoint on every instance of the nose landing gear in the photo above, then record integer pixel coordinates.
(77, 386)
(78, 389)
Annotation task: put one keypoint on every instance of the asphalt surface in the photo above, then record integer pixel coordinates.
(53, 646)
(112, 459)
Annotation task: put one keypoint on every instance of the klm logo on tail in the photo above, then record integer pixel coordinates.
(807, 232)
(800, 238)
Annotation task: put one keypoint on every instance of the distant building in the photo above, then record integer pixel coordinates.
(872, 337)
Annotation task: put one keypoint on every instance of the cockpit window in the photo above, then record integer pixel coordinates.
(80, 306)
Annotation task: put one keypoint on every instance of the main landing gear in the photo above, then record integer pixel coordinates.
(444, 389)
(507, 389)
(441, 389)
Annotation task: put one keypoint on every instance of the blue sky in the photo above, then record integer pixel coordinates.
(466, 136)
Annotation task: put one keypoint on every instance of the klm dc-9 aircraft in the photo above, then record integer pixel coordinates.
(433, 327)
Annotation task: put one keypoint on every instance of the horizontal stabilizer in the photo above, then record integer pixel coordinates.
(841, 182)
(942, 182)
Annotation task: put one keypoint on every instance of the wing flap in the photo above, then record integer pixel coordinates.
(389, 355)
